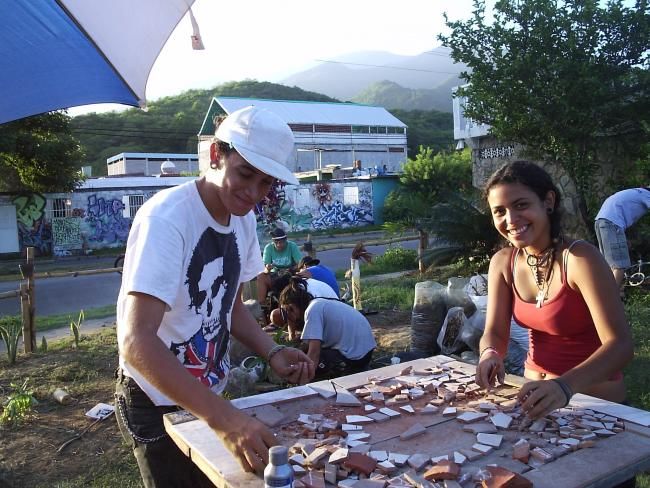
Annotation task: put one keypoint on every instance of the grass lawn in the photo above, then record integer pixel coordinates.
(101, 459)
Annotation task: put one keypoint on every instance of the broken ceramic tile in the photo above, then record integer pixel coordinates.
(418, 461)
(413, 431)
(407, 408)
(469, 417)
(346, 399)
(358, 419)
(338, 456)
(378, 455)
(378, 416)
(389, 412)
(501, 420)
(493, 440)
(444, 470)
(483, 449)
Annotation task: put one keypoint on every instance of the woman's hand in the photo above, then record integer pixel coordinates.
(539, 398)
(247, 439)
(489, 370)
(293, 365)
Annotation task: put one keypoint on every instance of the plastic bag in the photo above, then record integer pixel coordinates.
(472, 331)
(449, 336)
(477, 285)
(429, 309)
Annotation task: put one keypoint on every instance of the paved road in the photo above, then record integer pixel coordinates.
(70, 294)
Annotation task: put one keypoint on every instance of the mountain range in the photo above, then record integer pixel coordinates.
(421, 82)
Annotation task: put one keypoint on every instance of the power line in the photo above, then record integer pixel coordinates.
(387, 67)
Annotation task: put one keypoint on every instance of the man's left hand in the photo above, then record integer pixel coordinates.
(293, 365)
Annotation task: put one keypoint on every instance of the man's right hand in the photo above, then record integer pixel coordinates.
(246, 438)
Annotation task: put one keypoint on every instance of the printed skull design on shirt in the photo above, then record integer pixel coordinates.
(212, 283)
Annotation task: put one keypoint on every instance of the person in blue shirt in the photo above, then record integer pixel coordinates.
(311, 268)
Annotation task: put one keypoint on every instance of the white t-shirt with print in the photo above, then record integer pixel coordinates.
(179, 254)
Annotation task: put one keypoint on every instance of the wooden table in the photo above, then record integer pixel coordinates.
(612, 461)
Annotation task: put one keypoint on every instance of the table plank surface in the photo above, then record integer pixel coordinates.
(612, 460)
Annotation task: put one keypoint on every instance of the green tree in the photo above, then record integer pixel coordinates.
(39, 154)
(569, 79)
(424, 180)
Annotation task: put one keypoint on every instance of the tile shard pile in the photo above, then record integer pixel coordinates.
(338, 452)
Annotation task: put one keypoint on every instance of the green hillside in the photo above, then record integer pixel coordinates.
(393, 96)
(170, 124)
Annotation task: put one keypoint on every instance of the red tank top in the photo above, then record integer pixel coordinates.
(561, 333)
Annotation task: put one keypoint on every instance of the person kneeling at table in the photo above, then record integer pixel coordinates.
(339, 339)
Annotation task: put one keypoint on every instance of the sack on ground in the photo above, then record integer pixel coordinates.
(449, 339)
(429, 309)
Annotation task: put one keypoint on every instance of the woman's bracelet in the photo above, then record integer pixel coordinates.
(274, 350)
(488, 349)
(566, 389)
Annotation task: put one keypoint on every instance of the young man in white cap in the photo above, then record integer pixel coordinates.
(189, 250)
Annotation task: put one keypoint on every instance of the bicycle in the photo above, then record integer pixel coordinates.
(634, 275)
(119, 263)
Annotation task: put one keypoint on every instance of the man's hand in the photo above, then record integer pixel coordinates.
(293, 365)
(247, 439)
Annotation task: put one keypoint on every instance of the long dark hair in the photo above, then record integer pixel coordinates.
(536, 179)
(295, 293)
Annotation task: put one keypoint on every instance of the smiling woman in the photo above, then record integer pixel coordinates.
(558, 289)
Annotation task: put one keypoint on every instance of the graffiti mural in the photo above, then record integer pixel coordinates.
(33, 229)
(108, 225)
(66, 234)
(339, 215)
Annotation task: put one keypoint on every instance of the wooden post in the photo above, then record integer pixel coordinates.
(24, 308)
(423, 244)
(308, 247)
(27, 301)
(355, 272)
(31, 291)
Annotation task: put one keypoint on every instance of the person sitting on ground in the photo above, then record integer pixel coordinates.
(619, 212)
(560, 290)
(338, 338)
(280, 256)
(311, 268)
(278, 317)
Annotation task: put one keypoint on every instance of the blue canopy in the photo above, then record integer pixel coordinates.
(75, 52)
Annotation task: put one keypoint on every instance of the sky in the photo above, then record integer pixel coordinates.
(267, 41)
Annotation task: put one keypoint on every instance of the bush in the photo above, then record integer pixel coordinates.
(10, 333)
(398, 258)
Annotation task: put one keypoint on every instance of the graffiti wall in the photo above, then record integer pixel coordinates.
(33, 228)
(317, 206)
(78, 223)
(86, 221)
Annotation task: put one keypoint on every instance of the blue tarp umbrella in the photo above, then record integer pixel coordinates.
(65, 53)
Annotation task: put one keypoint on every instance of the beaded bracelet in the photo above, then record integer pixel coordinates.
(566, 389)
(488, 349)
(274, 350)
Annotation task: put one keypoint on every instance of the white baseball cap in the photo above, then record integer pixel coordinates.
(261, 138)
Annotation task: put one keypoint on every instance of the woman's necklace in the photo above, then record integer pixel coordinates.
(541, 266)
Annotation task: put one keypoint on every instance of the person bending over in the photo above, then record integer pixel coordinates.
(561, 290)
(278, 316)
(311, 268)
(338, 338)
(619, 212)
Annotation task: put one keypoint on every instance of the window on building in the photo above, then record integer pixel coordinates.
(132, 204)
(61, 207)
(350, 195)
(301, 198)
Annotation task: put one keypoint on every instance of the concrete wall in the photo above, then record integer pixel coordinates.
(99, 218)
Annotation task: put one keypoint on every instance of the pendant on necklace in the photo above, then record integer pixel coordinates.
(539, 299)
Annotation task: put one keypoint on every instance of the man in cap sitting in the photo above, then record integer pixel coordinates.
(281, 256)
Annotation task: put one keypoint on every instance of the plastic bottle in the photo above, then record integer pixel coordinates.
(278, 473)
